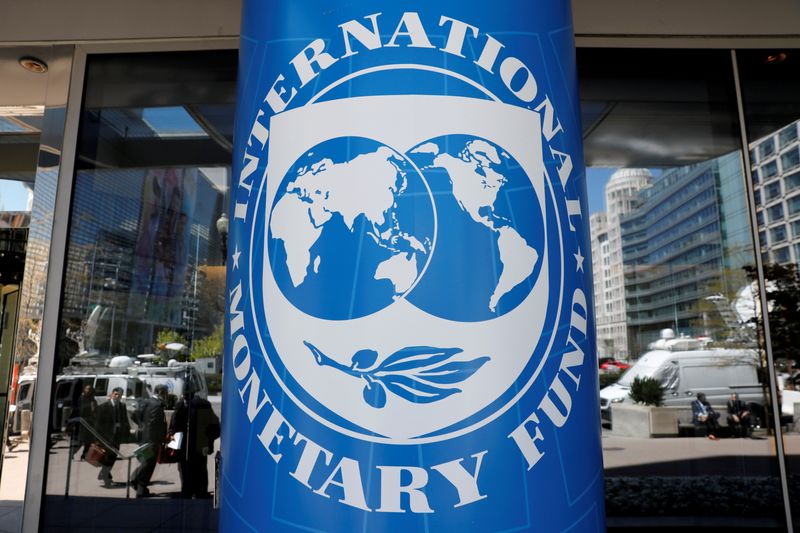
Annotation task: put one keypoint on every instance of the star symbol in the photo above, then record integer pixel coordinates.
(235, 257)
(579, 260)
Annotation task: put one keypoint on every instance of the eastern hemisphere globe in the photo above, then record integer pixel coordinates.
(490, 237)
(351, 229)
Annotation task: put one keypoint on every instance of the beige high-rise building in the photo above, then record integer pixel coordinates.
(607, 266)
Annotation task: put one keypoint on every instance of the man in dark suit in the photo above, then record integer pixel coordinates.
(738, 417)
(704, 416)
(113, 426)
(152, 423)
(88, 411)
(200, 426)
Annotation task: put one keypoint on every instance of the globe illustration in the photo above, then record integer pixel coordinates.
(490, 235)
(351, 229)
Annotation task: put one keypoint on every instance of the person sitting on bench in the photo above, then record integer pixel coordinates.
(738, 417)
(704, 416)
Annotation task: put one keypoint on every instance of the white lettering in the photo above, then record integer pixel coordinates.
(271, 434)
(275, 97)
(565, 167)
(458, 32)
(259, 131)
(304, 63)
(254, 383)
(509, 68)
(556, 415)
(350, 484)
(392, 489)
(465, 483)
(527, 442)
(573, 210)
(413, 30)
(489, 54)
(370, 39)
(548, 127)
(308, 459)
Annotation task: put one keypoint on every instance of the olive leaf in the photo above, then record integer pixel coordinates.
(418, 374)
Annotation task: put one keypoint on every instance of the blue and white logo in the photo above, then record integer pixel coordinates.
(398, 252)
(409, 343)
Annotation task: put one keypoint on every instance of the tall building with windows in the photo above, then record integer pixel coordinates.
(679, 249)
(621, 197)
(775, 161)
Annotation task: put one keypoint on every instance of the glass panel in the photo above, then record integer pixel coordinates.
(143, 298)
(771, 91)
(671, 249)
(19, 145)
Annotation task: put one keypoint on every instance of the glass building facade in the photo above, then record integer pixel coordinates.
(114, 178)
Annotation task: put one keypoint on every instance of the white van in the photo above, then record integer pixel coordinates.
(685, 373)
(177, 377)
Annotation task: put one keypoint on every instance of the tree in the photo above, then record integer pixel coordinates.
(167, 336)
(210, 346)
(783, 300)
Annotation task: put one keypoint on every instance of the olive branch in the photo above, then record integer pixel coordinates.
(418, 374)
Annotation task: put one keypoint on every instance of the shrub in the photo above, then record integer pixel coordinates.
(647, 391)
(214, 382)
(609, 378)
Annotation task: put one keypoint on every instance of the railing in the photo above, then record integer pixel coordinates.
(107, 445)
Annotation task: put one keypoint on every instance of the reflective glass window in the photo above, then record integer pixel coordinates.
(788, 135)
(770, 81)
(143, 296)
(769, 170)
(766, 148)
(777, 234)
(772, 191)
(775, 212)
(790, 159)
(661, 132)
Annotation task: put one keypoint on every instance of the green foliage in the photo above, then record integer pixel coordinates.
(214, 382)
(783, 296)
(609, 378)
(210, 346)
(166, 336)
(647, 391)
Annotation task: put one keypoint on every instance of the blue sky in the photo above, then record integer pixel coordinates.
(596, 179)
(13, 196)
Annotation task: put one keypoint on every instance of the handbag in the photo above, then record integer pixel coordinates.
(100, 456)
(166, 455)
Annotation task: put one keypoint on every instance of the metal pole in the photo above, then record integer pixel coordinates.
(69, 461)
(762, 294)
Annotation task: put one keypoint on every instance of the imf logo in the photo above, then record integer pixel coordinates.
(408, 334)
(405, 235)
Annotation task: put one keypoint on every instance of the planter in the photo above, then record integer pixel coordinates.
(631, 420)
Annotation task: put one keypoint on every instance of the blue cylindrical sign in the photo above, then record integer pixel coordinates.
(409, 342)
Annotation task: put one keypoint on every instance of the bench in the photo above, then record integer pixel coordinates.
(687, 429)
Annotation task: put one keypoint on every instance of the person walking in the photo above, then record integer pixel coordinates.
(200, 426)
(87, 409)
(152, 423)
(114, 427)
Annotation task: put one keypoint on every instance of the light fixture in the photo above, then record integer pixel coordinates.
(33, 64)
(775, 58)
(222, 229)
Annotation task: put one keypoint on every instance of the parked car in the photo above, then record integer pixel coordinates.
(685, 369)
(609, 364)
